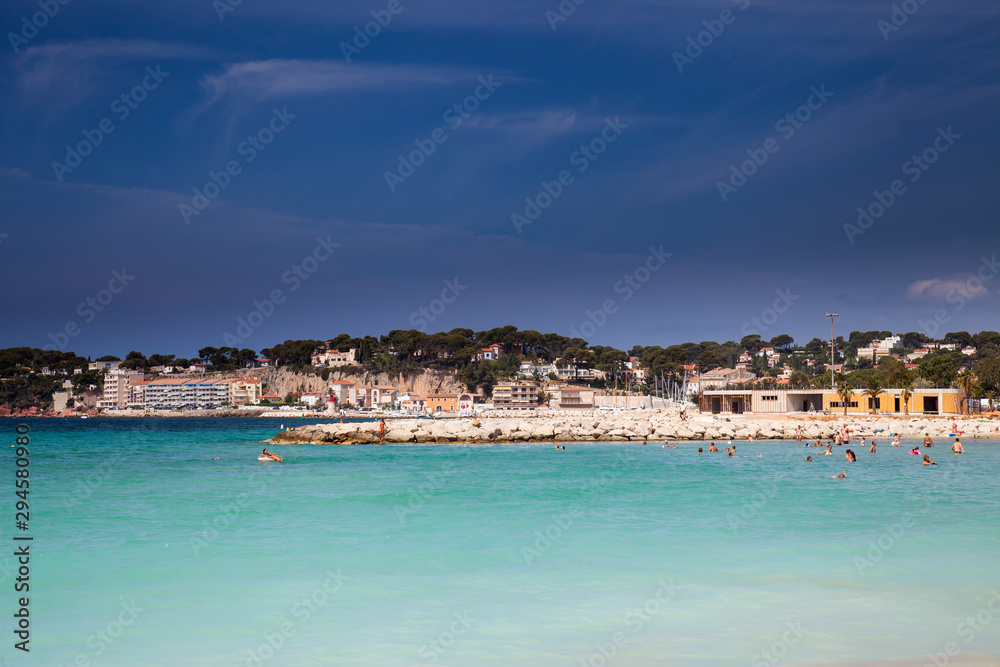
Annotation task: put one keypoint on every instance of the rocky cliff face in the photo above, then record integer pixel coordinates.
(282, 381)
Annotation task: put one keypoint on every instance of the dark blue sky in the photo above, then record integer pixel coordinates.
(309, 138)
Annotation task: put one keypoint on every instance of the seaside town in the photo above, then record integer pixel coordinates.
(506, 370)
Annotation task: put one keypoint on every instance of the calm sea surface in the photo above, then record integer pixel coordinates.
(165, 542)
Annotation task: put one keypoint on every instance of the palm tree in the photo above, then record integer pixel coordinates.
(873, 389)
(905, 396)
(845, 391)
(992, 395)
(965, 381)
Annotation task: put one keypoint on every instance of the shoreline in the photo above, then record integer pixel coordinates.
(625, 427)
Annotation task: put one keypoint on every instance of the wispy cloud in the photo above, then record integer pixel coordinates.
(261, 80)
(940, 289)
(62, 74)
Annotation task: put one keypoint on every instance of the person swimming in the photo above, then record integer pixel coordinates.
(915, 451)
(828, 451)
(957, 447)
(271, 455)
(872, 450)
(842, 475)
(849, 455)
(713, 448)
(927, 441)
(927, 461)
(809, 459)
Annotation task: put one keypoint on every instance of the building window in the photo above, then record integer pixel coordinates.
(768, 398)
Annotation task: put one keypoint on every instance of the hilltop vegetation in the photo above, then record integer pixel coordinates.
(409, 353)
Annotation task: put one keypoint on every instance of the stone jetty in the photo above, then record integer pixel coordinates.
(634, 426)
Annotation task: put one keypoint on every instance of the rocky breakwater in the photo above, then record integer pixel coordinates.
(623, 427)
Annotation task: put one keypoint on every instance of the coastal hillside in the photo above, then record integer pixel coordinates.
(283, 381)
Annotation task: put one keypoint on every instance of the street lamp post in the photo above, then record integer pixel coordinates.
(833, 375)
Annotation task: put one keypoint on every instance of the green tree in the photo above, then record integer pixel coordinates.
(905, 395)
(782, 342)
(845, 391)
(939, 370)
(967, 383)
(873, 388)
(751, 344)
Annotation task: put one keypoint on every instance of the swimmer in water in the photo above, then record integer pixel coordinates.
(927, 461)
(915, 451)
(713, 448)
(842, 475)
(809, 459)
(957, 447)
(927, 441)
(872, 450)
(828, 451)
(895, 441)
(849, 455)
(271, 455)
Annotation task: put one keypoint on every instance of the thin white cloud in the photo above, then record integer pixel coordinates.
(260, 80)
(64, 73)
(949, 288)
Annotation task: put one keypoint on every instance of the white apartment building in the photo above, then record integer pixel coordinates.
(178, 393)
(879, 348)
(116, 388)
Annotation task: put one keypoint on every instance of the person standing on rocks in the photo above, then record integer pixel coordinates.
(381, 431)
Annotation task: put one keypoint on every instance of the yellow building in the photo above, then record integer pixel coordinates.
(921, 402)
(442, 403)
(780, 401)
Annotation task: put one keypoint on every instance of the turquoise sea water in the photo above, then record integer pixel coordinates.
(148, 551)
